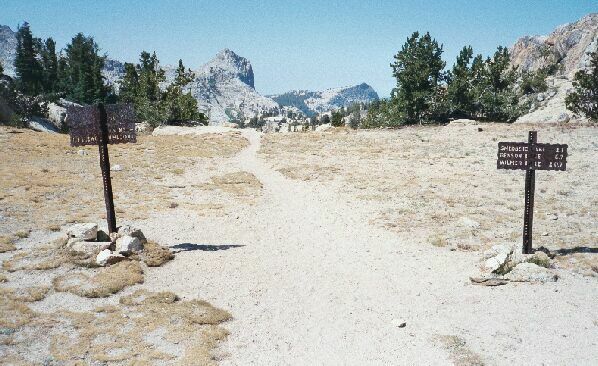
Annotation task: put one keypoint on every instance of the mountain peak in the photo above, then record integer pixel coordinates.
(228, 65)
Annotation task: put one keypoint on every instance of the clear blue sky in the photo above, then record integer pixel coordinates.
(309, 44)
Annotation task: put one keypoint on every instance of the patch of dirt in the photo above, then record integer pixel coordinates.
(459, 352)
(440, 184)
(155, 255)
(47, 183)
(240, 184)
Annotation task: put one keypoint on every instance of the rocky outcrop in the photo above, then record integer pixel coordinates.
(565, 51)
(311, 103)
(8, 49)
(224, 89)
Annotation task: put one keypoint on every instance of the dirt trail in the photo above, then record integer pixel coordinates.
(310, 281)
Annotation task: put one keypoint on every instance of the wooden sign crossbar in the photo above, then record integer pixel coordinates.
(531, 156)
(102, 125)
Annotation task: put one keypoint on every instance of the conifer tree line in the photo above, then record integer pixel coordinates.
(45, 75)
(486, 89)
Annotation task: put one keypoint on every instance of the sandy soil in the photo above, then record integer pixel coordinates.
(353, 248)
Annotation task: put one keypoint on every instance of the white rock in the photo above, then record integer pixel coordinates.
(128, 230)
(86, 231)
(82, 152)
(88, 247)
(116, 168)
(496, 249)
(494, 263)
(324, 127)
(128, 244)
(107, 257)
(563, 118)
(530, 272)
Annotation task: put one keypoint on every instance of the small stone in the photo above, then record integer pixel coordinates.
(467, 222)
(545, 234)
(82, 152)
(128, 244)
(116, 168)
(106, 257)
(103, 236)
(86, 231)
(399, 323)
(554, 217)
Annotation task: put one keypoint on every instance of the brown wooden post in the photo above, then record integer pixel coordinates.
(105, 166)
(530, 184)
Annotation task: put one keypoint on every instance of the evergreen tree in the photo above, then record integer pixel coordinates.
(584, 99)
(50, 66)
(183, 77)
(129, 85)
(81, 71)
(459, 93)
(494, 87)
(27, 65)
(1, 69)
(337, 119)
(418, 68)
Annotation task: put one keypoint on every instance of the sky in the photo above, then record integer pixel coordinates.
(309, 44)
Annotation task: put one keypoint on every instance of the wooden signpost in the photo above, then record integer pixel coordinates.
(102, 125)
(531, 156)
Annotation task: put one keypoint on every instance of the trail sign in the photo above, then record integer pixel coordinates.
(102, 125)
(531, 156)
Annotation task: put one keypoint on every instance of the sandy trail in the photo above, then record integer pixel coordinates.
(310, 281)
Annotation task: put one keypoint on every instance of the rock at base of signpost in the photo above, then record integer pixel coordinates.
(496, 258)
(128, 230)
(107, 257)
(87, 247)
(128, 244)
(531, 272)
(86, 231)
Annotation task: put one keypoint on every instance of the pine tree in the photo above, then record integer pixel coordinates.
(494, 87)
(49, 66)
(129, 85)
(81, 71)
(1, 69)
(418, 68)
(183, 77)
(27, 65)
(584, 98)
(459, 93)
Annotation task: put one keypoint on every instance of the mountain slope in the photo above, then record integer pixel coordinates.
(8, 47)
(311, 103)
(564, 50)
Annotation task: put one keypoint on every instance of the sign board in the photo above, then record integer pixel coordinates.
(84, 124)
(530, 156)
(521, 155)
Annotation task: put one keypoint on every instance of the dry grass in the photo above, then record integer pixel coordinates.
(458, 351)
(26, 294)
(422, 182)
(145, 328)
(105, 282)
(7, 244)
(50, 256)
(46, 183)
(155, 255)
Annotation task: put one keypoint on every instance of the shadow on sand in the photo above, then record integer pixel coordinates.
(188, 247)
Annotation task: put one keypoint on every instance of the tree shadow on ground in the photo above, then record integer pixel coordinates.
(189, 247)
